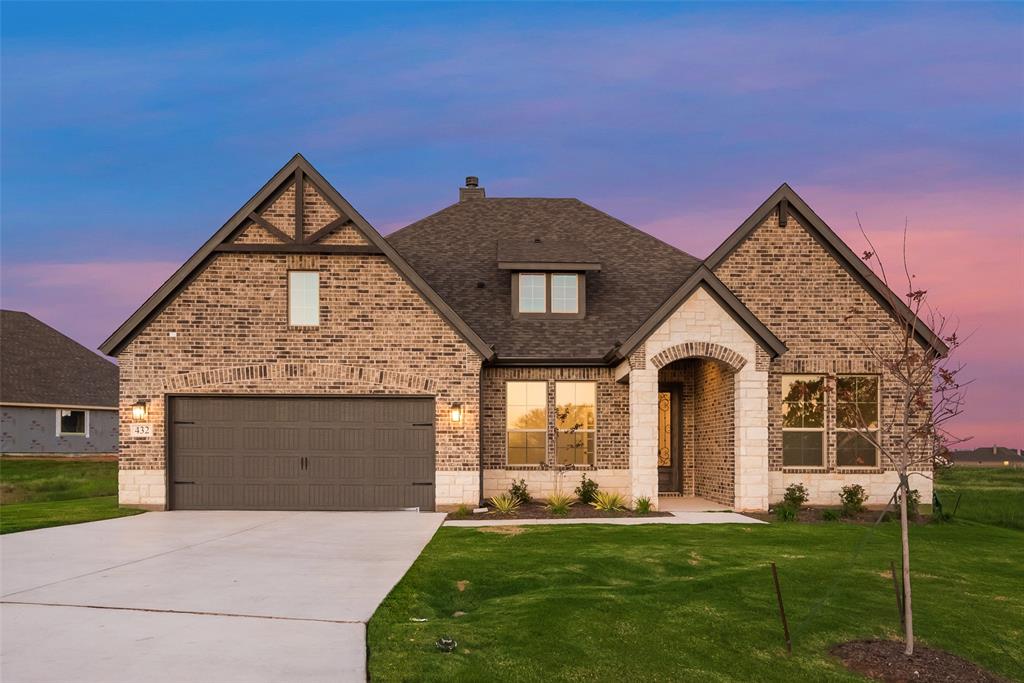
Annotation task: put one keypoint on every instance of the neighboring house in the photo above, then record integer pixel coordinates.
(56, 396)
(332, 368)
(987, 456)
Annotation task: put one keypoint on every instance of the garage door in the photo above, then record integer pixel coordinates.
(301, 453)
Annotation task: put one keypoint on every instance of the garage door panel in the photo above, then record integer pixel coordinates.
(303, 453)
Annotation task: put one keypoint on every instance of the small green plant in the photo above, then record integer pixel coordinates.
(559, 504)
(587, 490)
(852, 498)
(505, 504)
(913, 502)
(520, 491)
(608, 501)
(830, 515)
(463, 512)
(796, 495)
(643, 506)
(785, 513)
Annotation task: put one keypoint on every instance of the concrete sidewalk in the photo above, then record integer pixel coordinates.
(676, 518)
(202, 596)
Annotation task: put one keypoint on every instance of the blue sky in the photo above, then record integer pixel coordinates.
(130, 132)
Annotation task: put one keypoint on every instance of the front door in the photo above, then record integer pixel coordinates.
(668, 439)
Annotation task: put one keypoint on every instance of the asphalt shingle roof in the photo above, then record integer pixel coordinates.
(456, 251)
(38, 364)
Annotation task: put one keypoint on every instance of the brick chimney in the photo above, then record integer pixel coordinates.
(472, 190)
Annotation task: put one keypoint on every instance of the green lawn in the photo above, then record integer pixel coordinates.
(51, 492)
(668, 603)
(990, 496)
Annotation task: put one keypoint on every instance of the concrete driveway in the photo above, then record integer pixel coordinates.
(202, 596)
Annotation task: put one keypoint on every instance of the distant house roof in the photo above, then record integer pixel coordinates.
(986, 454)
(39, 365)
(456, 250)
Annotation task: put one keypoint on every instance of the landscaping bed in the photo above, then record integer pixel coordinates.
(826, 515)
(538, 510)
(883, 660)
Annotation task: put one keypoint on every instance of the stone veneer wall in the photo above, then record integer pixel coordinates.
(700, 327)
(231, 336)
(807, 305)
(611, 447)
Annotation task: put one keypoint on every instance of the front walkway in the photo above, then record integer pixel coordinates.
(673, 504)
(202, 596)
(676, 518)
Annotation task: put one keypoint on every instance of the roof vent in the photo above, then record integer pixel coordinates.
(472, 190)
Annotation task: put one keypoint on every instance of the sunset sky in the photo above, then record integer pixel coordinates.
(131, 132)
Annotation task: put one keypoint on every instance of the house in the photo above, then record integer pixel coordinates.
(329, 367)
(987, 456)
(56, 396)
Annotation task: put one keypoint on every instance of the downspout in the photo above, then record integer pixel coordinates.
(480, 433)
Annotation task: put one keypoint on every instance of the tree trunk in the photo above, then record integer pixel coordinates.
(905, 538)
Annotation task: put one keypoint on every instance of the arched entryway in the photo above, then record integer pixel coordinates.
(696, 421)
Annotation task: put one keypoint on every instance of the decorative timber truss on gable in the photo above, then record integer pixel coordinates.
(296, 211)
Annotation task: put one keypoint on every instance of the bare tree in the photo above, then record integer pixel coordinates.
(923, 384)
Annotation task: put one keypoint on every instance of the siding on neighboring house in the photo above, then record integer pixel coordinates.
(33, 431)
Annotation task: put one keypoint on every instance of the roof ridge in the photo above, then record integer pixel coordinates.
(642, 232)
(53, 329)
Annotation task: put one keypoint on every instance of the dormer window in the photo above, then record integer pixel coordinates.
(555, 295)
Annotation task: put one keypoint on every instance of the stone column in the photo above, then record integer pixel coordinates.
(751, 439)
(643, 433)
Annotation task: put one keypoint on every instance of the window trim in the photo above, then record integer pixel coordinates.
(823, 429)
(58, 411)
(289, 302)
(543, 430)
(876, 430)
(592, 432)
(581, 294)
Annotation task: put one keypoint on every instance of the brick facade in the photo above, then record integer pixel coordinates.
(810, 297)
(227, 332)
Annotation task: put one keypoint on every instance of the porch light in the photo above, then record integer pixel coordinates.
(140, 410)
(456, 412)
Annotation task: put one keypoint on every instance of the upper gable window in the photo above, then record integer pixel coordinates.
(548, 294)
(303, 297)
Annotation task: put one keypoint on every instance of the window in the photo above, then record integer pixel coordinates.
(554, 294)
(72, 422)
(526, 415)
(532, 293)
(565, 296)
(856, 418)
(803, 421)
(575, 420)
(303, 297)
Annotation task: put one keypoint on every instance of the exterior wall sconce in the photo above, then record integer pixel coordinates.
(456, 412)
(139, 411)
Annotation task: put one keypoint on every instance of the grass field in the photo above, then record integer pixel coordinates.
(990, 496)
(37, 493)
(668, 603)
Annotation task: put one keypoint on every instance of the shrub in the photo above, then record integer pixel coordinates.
(913, 502)
(796, 495)
(463, 512)
(559, 504)
(587, 490)
(830, 515)
(520, 492)
(607, 501)
(643, 506)
(505, 504)
(785, 513)
(853, 497)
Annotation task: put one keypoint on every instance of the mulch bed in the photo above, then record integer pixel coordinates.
(813, 515)
(883, 660)
(538, 511)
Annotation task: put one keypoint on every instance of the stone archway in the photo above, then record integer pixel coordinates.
(699, 350)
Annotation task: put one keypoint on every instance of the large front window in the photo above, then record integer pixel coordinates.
(575, 422)
(857, 420)
(803, 421)
(526, 422)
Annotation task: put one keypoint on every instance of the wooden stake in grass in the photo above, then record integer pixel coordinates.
(899, 593)
(782, 610)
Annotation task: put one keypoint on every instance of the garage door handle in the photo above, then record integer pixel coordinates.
(180, 422)
(184, 482)
(422, 424)
(423, 483)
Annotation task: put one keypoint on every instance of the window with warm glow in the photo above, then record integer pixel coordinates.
(803, 421)
(576, 422)
(526, 414)
(857, 401)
